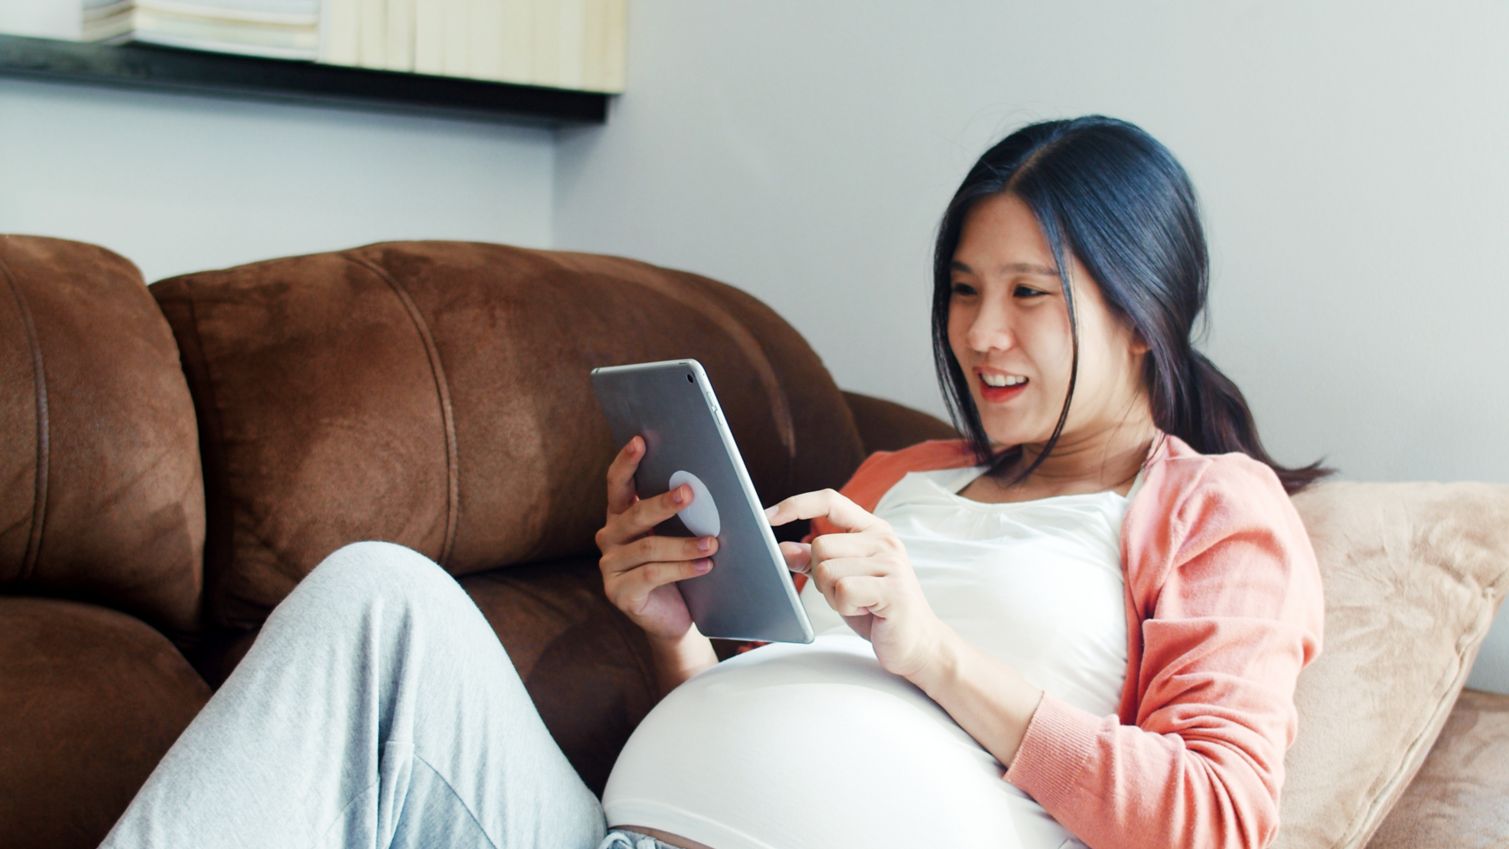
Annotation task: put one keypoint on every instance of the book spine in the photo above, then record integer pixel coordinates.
(594, 43)
(615, 44)
(372, 33)
(453, 56)
(429, 36)
(400, 35)
(517, 45)
(338, 32)
(571, 32)
(485, 49)
(546, 24)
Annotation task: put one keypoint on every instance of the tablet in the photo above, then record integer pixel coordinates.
(749, 594)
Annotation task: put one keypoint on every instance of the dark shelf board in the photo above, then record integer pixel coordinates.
(147, 66)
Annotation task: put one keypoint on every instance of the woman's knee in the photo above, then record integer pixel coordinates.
(374, 571)
(370, 556)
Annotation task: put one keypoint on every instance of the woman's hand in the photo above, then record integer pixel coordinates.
(640, 571)
(867, 578)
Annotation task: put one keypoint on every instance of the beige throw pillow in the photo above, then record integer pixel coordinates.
(1460, 798)
(1413, 574)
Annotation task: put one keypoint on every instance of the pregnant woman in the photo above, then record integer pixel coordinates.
(1080, 624)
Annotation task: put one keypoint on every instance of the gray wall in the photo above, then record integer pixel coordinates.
(184, 183)
(1351, 158)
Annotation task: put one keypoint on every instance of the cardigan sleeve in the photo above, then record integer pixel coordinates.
(1237, 616)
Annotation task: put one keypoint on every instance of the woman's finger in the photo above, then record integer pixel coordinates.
(856, 595)
(798, 556)
(830, 546)
(648, 549)
(838, 509)
(621, 476)
(827, 573)
(649, 512)
(630, 591)
(642, 517)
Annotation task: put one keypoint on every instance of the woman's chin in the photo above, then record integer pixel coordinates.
(1005, 431)
(1002, 438)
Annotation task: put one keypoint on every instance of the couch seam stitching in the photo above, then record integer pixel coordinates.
(442, 389)
(216, 425)
(747, 342)
(39, 381)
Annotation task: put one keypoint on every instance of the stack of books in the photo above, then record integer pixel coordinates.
(575, 44)
(281, 29)
(570, 44)
(108, 21)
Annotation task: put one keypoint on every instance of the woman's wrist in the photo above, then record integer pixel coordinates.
(943, 666)
(989, 699)
(677, 659)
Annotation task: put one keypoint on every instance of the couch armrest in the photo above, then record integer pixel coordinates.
(886, 425)
(1458, 797)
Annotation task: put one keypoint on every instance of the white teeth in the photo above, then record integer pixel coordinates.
(1002, 380)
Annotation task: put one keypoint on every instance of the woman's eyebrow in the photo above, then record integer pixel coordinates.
(1009, 268)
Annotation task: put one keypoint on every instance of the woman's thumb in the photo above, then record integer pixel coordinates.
(798, 555)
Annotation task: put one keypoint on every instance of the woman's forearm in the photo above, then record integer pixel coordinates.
(680, 659)
(988, 698)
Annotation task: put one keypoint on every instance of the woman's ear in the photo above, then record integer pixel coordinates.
(1139, 345)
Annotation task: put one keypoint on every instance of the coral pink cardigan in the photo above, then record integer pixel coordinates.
(1224, 609)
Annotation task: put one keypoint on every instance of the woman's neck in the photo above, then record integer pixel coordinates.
(1088, 462)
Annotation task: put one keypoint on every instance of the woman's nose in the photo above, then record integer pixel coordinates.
(989, 333)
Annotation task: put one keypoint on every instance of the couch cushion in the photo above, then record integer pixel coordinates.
(90, 701)
(1413, 574)
(585, 665)
(887, 426)
(1460, 798)
(436, 394)
(100, 492)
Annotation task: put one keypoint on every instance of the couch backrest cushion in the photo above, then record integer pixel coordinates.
(436, 394)
(1413, 574)
(100, 491)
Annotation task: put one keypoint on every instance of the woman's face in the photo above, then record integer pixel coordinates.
(1007, 318)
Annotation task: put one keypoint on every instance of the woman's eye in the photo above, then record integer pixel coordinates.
(962, 289)
(1028, 292)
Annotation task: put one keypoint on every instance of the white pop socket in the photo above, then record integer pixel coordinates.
(700, 516)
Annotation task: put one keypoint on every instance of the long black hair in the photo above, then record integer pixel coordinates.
(1113, 196)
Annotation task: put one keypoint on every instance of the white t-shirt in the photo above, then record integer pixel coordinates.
(792, 746)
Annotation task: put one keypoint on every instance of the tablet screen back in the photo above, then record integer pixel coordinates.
(748, 595)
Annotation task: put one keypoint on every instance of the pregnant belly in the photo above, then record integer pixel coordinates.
(793, 746)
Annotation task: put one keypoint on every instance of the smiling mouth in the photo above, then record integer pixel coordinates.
(1001, 393)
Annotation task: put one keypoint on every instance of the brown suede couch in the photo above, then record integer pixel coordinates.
(176, 458)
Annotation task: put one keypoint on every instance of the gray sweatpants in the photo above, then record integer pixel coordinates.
(375, 709)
